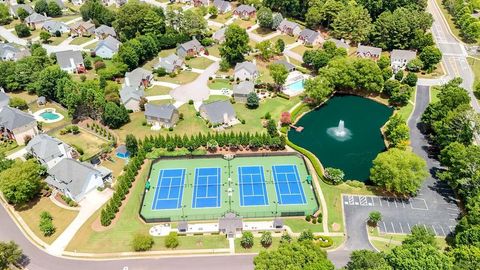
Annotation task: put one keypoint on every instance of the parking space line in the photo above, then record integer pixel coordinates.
(401, 228)
(441, 227)
(395, 201)
(402, 203)
(388, 203)
(425, 226)
(433, 227)
(384, 226)
(409, 229)
(380, 200)
(372, 203)
(393, 227)
(450, 228)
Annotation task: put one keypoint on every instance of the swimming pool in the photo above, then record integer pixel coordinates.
(47, 115)
(296, 87)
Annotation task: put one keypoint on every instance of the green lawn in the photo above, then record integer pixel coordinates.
(24, 95)
(245, 24)
(286, 38)
(61, 217)
(119, 236)
(183, 77)
(406, 110)
(301, 49)
(91, 144)
(80, 40)
(218, 84)
(263, 31)
(299, 225)
(65, 18)
(222, 18)
(58, 40)
(157, 90)
(257, 247)
(199, 62)
(434, 91)
(214, 50)
(92, 46)
(475, 65)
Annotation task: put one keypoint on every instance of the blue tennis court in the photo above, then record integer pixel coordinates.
(206, 193)
(253, 190)
(169, 189)
(287, 184)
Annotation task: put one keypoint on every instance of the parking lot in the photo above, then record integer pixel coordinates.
(400, 215)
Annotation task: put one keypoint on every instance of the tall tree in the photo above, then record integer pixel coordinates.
(367, 260)
(4, 15)
(22, 182)
(279, 74)
(115, 115)
(10, 253)
(265, 17)
(352, 23)
(236, 44)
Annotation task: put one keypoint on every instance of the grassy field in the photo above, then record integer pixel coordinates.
(406, 110)
(157, 90)
(199, 62)
(91, 144)
(116, 165)
(301, 49)
(299, 224)
(262, 31)
(57, 40)
(257, 247)
(24, 95)
(245, 24)
(61, 217)
(183, 78)
(286, 38)
(118, 238)
(65, 18)
(218, 84)
(222, 18)
(214, 50)
(393, 240)
(80, 40)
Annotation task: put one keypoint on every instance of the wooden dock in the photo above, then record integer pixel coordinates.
(297, 129)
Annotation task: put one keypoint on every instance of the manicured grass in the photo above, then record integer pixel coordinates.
(191, 124)
(394, 240)
(245, 24)
(91, 144)
(65, 18)
(286, 38)
(434, 91)
(12, 24)
(475, 65)
(215, 98)
(165, 53)
(80, 40)
(182, 78)
(61, 217)
(92, 46)
(299, 225)
(118, 238)
(8, 147)
(157, 90)
(301, 49)
(199, 62)
(406, 110)
(257, 247)
(116, 165)
(263, 31)
(222, 18)
(24, 95)
(214, 50)
(218, 84)
(57, 40)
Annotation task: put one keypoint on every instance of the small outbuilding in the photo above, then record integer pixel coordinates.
(230, 224)
(122, 151)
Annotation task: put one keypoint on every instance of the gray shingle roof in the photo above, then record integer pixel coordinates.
(47, 148)
(105, 30)
(54, 26)
(130, 92)
(7, 48)
(65, 58)
(287, 24)
(12, 118)
(221, 5)
(87, 25)
(170, 62)
(160, 111)
(230, 223)
(27, 8)
(192, 44)
(363, 50)
(136, 76)
(245, 8)
(286, 64)
(339, 43)
(71, 175)
(249, 66)
(243, 88)
(110, 42)
(36, 18)
(309, 35)
(220, 34)
(4, 99)
(216, 111)
(403, 54)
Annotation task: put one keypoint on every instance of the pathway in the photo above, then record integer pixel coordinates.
(198, 89)
(10, 37)
(92, 202)
(90, 42)
(158, 97)
(165, 84)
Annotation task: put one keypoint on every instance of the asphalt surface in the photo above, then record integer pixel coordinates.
(36, 259)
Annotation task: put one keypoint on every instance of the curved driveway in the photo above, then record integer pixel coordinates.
(198, 89)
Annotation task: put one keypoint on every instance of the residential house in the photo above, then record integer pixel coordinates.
(17, 125)
(219, 35)
(288, 66)
(241, 91)
(60, 4)
(35, 20)
(289, 28)
(310, 37)
(190, 49)
(76, 179)
(161, 115)
(107, 48)
(71, 61)
(4, 98)
(117, 3)
(400, 58)
(222, 6)
(369, 52)
(198, 3)
(245, 11)
(14, 9)
(54, 27)
(49, 150)
(104, 31)
(246, 71)
(218, 112)
(171, 63)
(82, 29)
(132, 91)
(9, 52)
(340, 43)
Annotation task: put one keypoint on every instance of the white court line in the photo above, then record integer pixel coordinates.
(393, 227)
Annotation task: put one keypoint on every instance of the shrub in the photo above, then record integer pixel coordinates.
(190, 102)
(323, 241)
(142, 242)
(18, 103)
(285, 238)
(171, 241)
(267, 116)
(374, 217)
(160, 72)
(334, 175)
(355, 183)
(99, 65)
(266, 239)
(247, 240)
(46, 224)
(314, 220)
(22, 30)
(305, 235)
(78, 149)
(308, 218)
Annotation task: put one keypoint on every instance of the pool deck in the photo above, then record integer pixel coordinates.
(38, 115)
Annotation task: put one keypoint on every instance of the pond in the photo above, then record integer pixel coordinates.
(344, 133)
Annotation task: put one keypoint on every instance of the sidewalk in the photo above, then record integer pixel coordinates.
(166, 84)
(89, 205)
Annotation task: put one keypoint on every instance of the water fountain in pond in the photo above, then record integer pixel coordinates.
(340, 132)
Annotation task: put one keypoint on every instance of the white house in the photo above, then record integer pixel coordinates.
(222, 6)
(107, 48)
(48, 150)
(246, 71)
(289, 28)
(76, 179)
(70, 61)
(132, 90)
(400, 58)
(53, 27)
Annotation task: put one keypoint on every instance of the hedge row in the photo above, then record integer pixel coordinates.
(315, 162)
(124, 183)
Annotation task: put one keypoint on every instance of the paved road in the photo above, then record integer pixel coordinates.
(37, 259)
(454, 53)
(198, 89)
